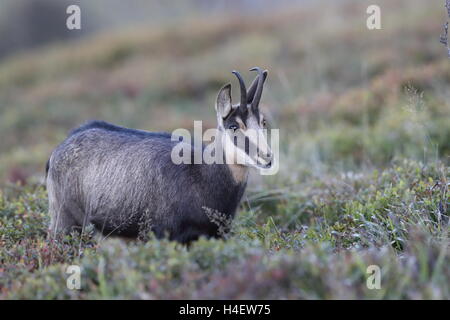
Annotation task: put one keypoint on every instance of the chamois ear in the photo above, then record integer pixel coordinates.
(223, 103)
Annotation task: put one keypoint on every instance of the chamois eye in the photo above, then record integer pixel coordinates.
(264, 123)
(233, 127)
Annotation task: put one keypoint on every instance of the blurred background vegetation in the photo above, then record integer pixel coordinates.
(363, 117)
(340, 94)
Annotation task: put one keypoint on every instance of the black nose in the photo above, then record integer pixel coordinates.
(265, 155)
(268, 156)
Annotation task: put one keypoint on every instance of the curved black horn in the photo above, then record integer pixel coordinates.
(258, 93)
(243, 90)
(251, 91)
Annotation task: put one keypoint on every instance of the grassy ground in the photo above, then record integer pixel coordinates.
(365, 146)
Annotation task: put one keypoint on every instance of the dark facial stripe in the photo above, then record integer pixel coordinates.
(247, 146)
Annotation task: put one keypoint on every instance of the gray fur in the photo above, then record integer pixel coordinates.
(123, 180)
(111, 176)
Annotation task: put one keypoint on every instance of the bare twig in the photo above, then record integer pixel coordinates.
(444, 37)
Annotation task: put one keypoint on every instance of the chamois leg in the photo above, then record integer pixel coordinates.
(62, 223)
(61, 218)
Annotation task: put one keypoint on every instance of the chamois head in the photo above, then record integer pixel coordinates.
(243, 124)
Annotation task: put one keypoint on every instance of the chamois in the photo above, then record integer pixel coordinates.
(123, 180)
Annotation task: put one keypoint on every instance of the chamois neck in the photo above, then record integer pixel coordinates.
(239, 172)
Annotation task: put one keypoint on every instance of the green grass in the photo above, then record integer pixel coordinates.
(313, 241)
(364, 172)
